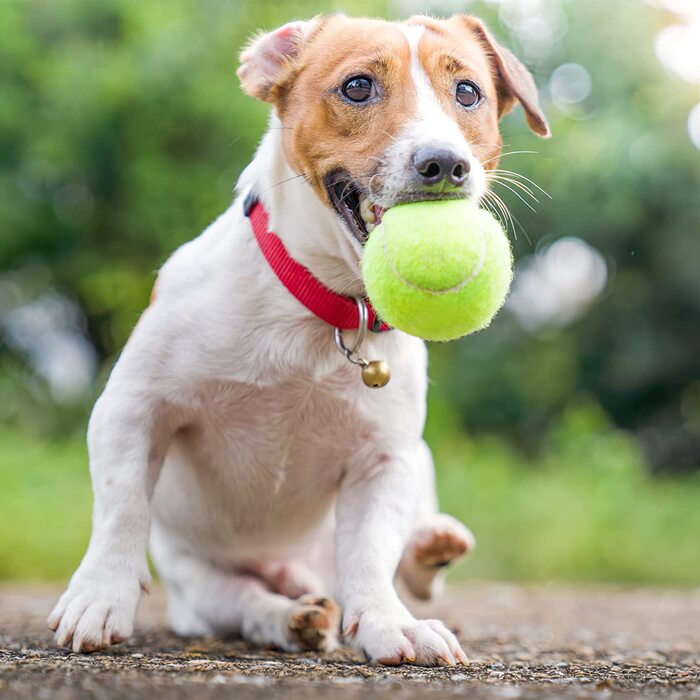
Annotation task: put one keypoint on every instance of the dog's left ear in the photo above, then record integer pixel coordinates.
(268, 58)
(513, 80)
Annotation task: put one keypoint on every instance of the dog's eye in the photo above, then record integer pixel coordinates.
(468, 94)
(358, 89)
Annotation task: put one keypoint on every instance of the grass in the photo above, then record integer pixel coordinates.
(45, 503)
(585, 510)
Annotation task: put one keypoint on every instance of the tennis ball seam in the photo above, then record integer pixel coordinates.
(436, 292)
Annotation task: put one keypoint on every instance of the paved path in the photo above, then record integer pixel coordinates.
(523, 642)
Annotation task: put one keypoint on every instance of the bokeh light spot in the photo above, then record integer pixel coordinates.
(570, 84)
(694, 125)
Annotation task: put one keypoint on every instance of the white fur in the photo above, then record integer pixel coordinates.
(430, 125)
(233, 431)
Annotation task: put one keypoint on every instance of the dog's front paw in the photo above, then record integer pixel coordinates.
(97, 609)
(313, 624)
(396, 639)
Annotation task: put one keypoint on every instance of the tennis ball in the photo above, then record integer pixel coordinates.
(439, 269)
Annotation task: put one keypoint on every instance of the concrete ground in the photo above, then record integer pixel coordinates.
(522, 641)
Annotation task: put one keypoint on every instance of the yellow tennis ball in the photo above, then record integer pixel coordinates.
(438, 270)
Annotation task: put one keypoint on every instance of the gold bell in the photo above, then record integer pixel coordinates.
(376, 374)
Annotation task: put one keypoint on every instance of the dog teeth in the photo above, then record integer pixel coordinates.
(367, 212)
(370, 227)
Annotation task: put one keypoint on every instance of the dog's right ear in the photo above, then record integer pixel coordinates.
(268, 59)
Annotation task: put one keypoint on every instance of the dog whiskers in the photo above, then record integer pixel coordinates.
(489, 143)
(508, 153)
(392, 137)
(489, 204)
(289, 179)
(347, 191)
(522, 177)
(369, 184)
(511, 218)
(516, 183)
(507, 217)
(517, 194)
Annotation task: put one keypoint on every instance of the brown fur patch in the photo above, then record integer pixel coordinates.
(512, 79)
(323, 132)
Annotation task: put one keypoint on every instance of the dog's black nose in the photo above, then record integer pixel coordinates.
(434, 165)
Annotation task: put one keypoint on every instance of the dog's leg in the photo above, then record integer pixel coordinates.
(436, 541)
(206, 600)
(127, 437)
(376, 513)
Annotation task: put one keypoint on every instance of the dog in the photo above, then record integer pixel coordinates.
(232, 434)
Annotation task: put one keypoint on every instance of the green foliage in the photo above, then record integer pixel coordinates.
(585, 510)
(45, 503)
(117, 130)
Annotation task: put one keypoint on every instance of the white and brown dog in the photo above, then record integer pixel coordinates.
(231, 431)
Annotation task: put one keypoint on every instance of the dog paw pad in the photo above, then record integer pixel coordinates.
(313, 623)
(439, 546)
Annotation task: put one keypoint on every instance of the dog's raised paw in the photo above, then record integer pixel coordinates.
(314, 623)
(441, 542)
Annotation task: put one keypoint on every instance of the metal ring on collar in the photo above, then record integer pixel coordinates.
(361, 333)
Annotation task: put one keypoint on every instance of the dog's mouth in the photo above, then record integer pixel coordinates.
(360, 214)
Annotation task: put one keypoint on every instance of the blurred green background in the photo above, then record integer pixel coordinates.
(567, 435)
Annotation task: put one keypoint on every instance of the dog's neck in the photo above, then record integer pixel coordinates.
(310, 230)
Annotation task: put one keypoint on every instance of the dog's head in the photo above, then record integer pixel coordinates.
(378, 113)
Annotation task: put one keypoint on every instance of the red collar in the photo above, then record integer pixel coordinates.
(335, 309)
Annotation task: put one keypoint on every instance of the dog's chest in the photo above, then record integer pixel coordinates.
(277, 425)
(262, 460)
